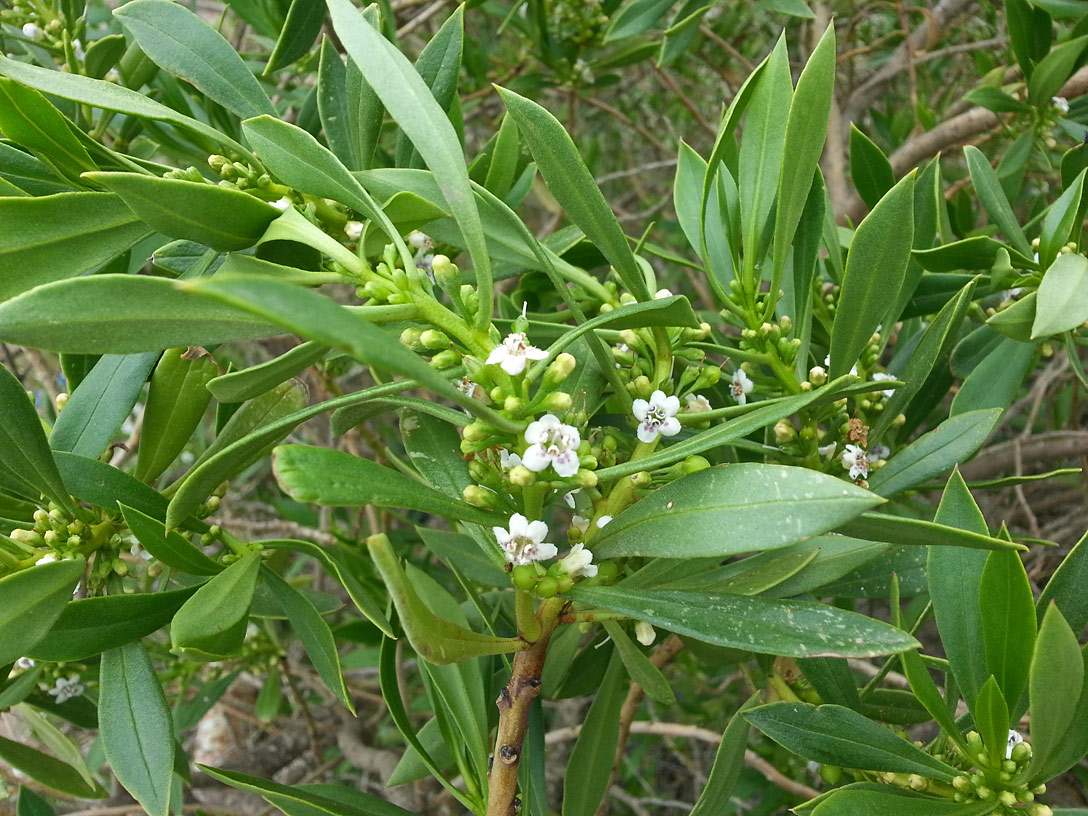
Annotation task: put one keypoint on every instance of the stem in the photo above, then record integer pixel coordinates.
(513, 703)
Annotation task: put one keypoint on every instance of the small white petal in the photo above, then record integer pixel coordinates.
(565, 464)
(568, 499)
(672, 405)
(603, 520)
(536, 459)
(640, 408)
(497, 355)
(513, 365)
(647, 433)
(533, 353)
(670, 427)
(537, 530)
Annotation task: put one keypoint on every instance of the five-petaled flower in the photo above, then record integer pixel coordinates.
(514, 353)
(552, 443)
(742, 386)
(66, 688)
(658, 416)
(856, 460)
(578, 562)
(524, 542)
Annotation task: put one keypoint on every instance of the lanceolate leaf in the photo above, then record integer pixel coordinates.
(1008, 623)
(31, 601)
(1063, 296)
(993, 199)
(1057, 678)
(180, 42)
(586, 777)
(570, 181)
(887, 799)
(24, 452)
(792, 628)
(211, 624)
(50, 772)
(875, 269)
(172, 548)
(300, 30)
(28, 119)
(834, 735)
(1066, 587)
(733, 509)
(137, 732)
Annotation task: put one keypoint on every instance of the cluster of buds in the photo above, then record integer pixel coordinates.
(772, 336)
(241, 176)
(999, 779)
(56, 535)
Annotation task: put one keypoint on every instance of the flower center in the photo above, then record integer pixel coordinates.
(656, 416)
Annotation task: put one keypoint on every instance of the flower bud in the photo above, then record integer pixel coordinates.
(784, 432)
(477, 431)
(962, 783)
(1021, 752)
(642, 386)
(708, 375)
(62, 400)
(817, 375)
(644, 633)
(480, 496)
(513, 405)
(559, 369)
(547, 587)
(693, 464)
(524, 576)
(445, 359)
(558, 402)
(433, 339)
(917, 782)
(521, 476)
(586, 478)
(642, 479)
(1041, 810)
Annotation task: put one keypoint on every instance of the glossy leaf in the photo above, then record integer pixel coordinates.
(52, 237)
(875, 268)
(952, 442)
(30, 804)
(333, 478)
(792, 628)
(993, 199)
(996, 380)
(90, 626)
(1066, 587)
(238, 386)
(409, 101)
(211, 624)
(728, 762)
(870, 169)
(178, 41)
(218, 217)
(24, 451)
(1062, 302)
(702, 514)
(991, 716)
(433, 447)
(1059, 222)
(930, 696)
(100, 484)
(835, 735)
(1054, 69)
(137, 731)
(902, 530)
(1056, 682)
(101, 403)
(1016, 321)
(586, 779)
(570, 181)
(887, 799)
(1007, 608)
(28, 119)
(31, 601)
(171, 548)
(48, 771)
(122, 314)
(314, 633)
(635, 17)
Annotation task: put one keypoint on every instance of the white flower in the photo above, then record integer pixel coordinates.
(696, 404)
(661, 294)
(880, 376)
(514, 353)
(579, 523)
(602, 521)
(45, 559)
(32, 31)
(827, 450)
(853, 369)
(283, 204)
(658, 416)
(137, 551)
(552, 443)
(578, 562)
(1061, 103)
(644, 633)
(568, 499)
(742, 386)
(524, 542)
(508, 460)
(66, 688)
(25, 663)
(878, 452)
(856, 460)
(353, 230)
(1015, 739)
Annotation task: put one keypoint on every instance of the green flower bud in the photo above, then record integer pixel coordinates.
(557, 402)
(917, 782)
(1025, 797)
(480, 496)
(77, 527)
(547, 587)
(586, 478)
(627, 299)
(831, 774)
(477, 431)
(74, 542)
(642, 479)
(524, 576)
(693, 464)
(51, 538)
(445, 359)
(480, 471)
(1008, 766)
(642, 386)
(708, 376)
(513, 405)
(984, 792)
(589, 462)
(120, 567)
(559, 369)
(1021, 752)
(1007, 798)
(62, 400)
(433, 339)
(962, 783)
(784, 432)
(1041, 810)
(521, 476)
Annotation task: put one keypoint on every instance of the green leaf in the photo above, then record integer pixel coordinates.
(28, 119)
(50, 772)
(834, 735)
(955, 577)
(31, 601)
(1057, 678)
(100, 403)
(977, 252)
(314, 633)
(179, 42)
(52, 237)
(1059, 222)
(410, 102)
(761, 153)
(687, 195)
(1007, 610)
(218, 217)
(953, 441)
(433, 447)
(299, 32)
(996, 100)
(30, 804)
(122, 314)
(311, 315)
(104, 486)
(298, 801)
(991, 716)
(435, 639)
(1062, 302)
(333, 478)
(995, 382)
(993, 199)
(792, 628)
(806, 130)
(586, 779)
(171, 548)
(1053, 70)
(570, 181)
(875, 268)
(176, 402)
(930, 696)
(889, 800)
(238, 386)
(639, 667)
(211, 624)
(773, 505)
(869, 168)
(137, 732)
(728, 762)
(1016, 321)
(24, 451)
(635, 17)
(91, 626)
(1066, 587)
